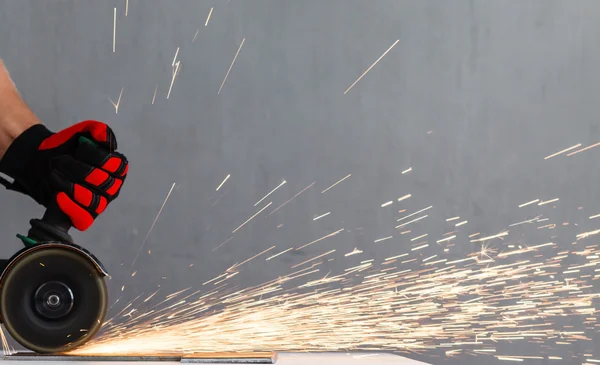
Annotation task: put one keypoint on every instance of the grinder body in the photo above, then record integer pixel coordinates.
(53, 295)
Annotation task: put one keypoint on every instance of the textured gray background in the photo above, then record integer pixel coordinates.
(500, 83)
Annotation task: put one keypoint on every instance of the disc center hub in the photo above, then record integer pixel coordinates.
(53, 300)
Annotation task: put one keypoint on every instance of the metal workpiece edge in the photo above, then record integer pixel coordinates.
(230, 358)
(201, 358)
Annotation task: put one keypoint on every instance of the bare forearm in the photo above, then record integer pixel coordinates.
(15, 116)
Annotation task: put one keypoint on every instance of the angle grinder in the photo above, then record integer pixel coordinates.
(53, 294)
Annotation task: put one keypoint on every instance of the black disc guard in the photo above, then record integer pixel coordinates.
(52, 299)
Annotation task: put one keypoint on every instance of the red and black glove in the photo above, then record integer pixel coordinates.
(82, 178)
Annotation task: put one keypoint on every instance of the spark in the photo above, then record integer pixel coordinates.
(353, 252)
(154, 97)
(395, 257)
(587, 234)
(548, 201)
(501, 234)
(249, 219)
(114, 28)
(429, 301)
(429, 258)
(321, 216)
(526, 249)
(407, 170)
(251, 258)
(175, 57)
(336, 183)
(314, 258)
(176, 68)
(528, 203)
(231, 66)
(271, 192)
(525, 221)
(415, 213)
(394, 309)
(195, 35)
(486, 251)
(7, 349)
(373, 65)
(549, 226)
(126, 7)
(383, 239)
(387, 203)
(584, 149)
(208, 18)
(412, 221)
(419, 237)
(461, 223)
(277, 254)
(116, 105)
(221, 184)
(214, 279)
(446, 239)
(404, 197)
(152, 295)
(320, 239)
(452, 219)
(563, 151)
(595, 216)
(221, 245)
(292, 198)
(152, 226)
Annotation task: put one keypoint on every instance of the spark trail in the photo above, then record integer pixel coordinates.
(469, 305)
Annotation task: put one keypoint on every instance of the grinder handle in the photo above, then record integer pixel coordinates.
(54, 226)
(55, 217)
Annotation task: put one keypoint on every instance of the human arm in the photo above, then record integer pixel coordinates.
(58, 168)
(15, 116)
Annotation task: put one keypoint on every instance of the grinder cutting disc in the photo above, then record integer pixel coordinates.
(52, 300)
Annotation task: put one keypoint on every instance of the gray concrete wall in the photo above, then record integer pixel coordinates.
(473, 97)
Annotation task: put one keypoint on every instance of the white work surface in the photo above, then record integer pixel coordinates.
(344, 358)
(282, 359)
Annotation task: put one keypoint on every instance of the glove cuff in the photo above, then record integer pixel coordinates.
(20, 156)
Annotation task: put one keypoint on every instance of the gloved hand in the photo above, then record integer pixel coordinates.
(80, 177)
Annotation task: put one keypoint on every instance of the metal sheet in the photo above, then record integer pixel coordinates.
(197, 358)
(283, 358)
(24, 356)
(231, 358)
